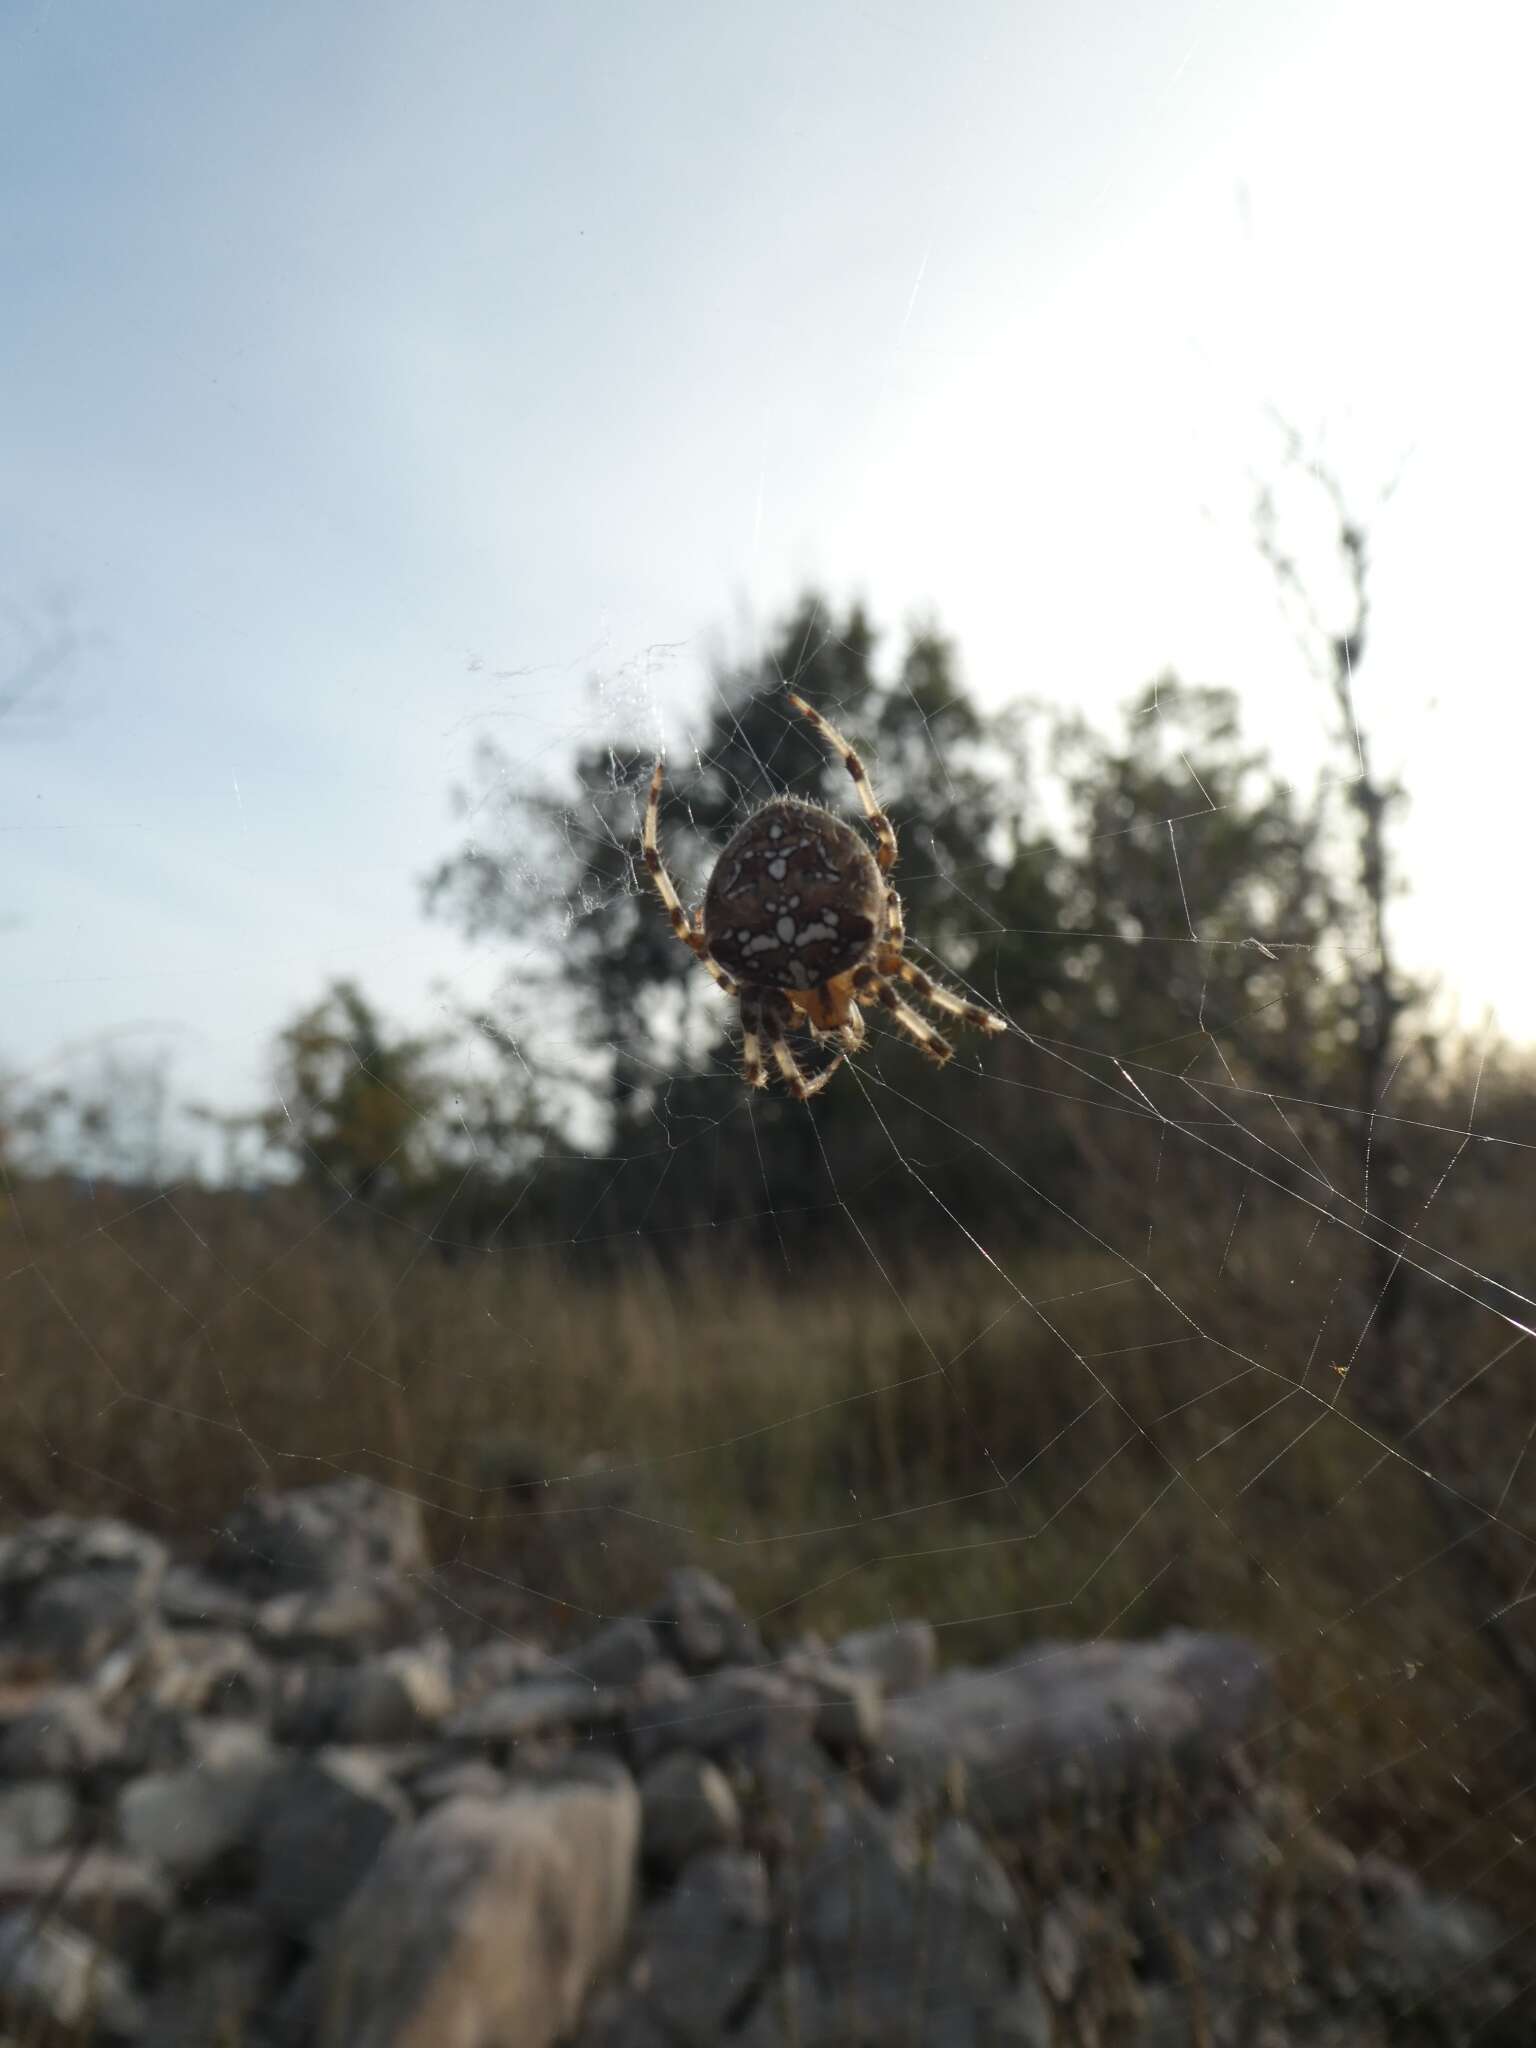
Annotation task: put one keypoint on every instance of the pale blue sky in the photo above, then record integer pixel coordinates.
(353, 357)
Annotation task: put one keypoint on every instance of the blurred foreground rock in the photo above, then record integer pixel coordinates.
(274, 1798)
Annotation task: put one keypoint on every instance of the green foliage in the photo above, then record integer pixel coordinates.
(1201, 889)
(357, 1109)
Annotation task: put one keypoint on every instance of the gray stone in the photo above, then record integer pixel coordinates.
(191, 1599)
(316, 1536)
(214, 1671)
(700, 1624)
(63, 1735)
(903, 1655)
(486, 1923)
(741, 1712)
(736, 1713)
(116, 1900)
(349, 1619)
(687, 1808)
(326, 1820)
(217, 1969)
(617, 1654)
(517, 1712)
(469, 1777)
(35, 1816)
(51, 1976)
(1072, 1718)
(72, 1591)
(398, 1697)
(191, 1821)
(706, 1946)
(906, 1923)
(850, 1708)
(490, 1666)
(1425, 1954)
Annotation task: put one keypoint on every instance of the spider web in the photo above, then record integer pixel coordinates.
(1084, 1339)
(1160, 1405)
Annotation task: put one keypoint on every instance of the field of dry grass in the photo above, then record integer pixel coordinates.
(1058, 1449)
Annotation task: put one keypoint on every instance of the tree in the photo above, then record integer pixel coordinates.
(1200, 885)
(357, 1109)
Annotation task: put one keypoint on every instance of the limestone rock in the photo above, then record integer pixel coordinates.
(316, 1536)
(486, 1923)
(706, 1946)
(326, 1819)
(687, 1808)
(191, 1820)
(1078, 1716)
(700, 1624)
(51, 1976)
(72, 1591)
(903, 1655)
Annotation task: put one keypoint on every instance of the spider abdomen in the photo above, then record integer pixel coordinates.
(795, 900)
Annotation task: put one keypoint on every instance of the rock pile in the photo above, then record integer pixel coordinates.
(266, 1800)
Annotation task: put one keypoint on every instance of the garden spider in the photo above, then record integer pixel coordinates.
(801, 924)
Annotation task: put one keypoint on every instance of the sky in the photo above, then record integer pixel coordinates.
(375, 378)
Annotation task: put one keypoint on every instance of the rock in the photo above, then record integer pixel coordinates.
(617, 1654)
(316, 1536)
(902, 1655)
(218, 1968)
(1069, 1718)
(116, 1900)
(658, 1711)
(850, 1708)
(706, 1946)
(742, 1712)
(213, 1671)
(687, 1808)
(490, 1666)
(486, 1923)
(326, 1820)
(913, 1929)
(398, 1697)
(1423, 1953)
(700, 1625)
(35, 1816)
(64, 1735)
(72, 1591)
(737, 1712)
(469, 1777)
(190, 1598)
(51, 1976)
(350, 1619)
(191, 1821)
(517, 1712)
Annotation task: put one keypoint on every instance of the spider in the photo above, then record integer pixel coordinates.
(801, 924)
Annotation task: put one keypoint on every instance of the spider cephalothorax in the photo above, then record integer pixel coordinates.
(801, 925)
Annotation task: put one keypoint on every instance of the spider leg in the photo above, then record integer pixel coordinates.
(874, 988)
(794, 1079)
(766, 1015)
(879, 823)
(948, 1004)
(753, 1024)
(691, 933)
(661, 880)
